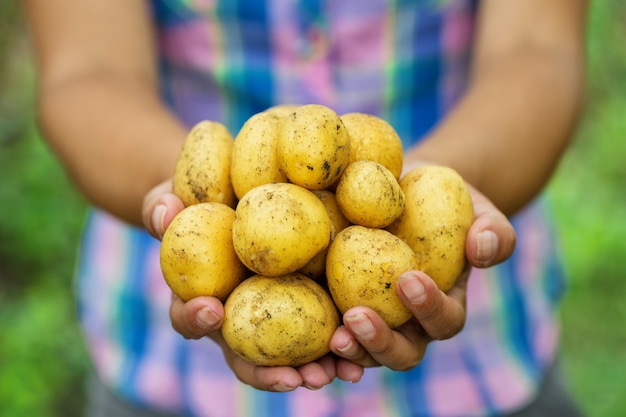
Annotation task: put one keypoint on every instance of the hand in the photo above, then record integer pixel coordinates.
(203, 316)
(366, 340)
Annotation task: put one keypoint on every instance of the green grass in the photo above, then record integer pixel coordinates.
(589, 198)
(42, 355)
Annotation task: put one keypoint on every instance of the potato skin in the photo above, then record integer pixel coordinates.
(254, 154)
(202, 172)
(279, 227)
(279, 321)
(282, 110)
(313, 147)
(316, 267)
(197, 255)
(362, 266)
(374, 139)
(435, 221)
(369, 195)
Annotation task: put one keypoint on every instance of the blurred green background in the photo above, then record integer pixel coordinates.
(42, 356)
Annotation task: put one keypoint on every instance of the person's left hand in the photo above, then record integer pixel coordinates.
(365, 339)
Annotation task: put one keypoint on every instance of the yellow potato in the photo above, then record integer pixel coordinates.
(197, 255)
(279, 227)
(282, 110)
(202, 172)
(374, 139)
(254, 155)
(316, 267)
(369, 195)
(313, 147)
(435, 221)
(279, 321)
(362, 266)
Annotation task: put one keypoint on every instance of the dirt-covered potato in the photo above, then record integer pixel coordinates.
(197, 255)
(362, 266)
(282, 110)
(313, 147)
(279, 227)
(374, 139)
(279, 321)
(202, 172)
(437, 216)
(369, 195)
(254, 155)
(316, 267)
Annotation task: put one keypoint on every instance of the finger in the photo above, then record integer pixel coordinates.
(491, 238)
(319, 373)
(159, 208)
(344, 344)
(440, 315)
(395, 350)
(348, 370)
(278, 379)
(197, 317)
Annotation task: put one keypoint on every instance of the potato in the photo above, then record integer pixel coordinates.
(279, 321)
(279, 227)
(435, 221)
(282, 110)
(197, 254)
(362, 266)
(202, 172)
(316, 267)
(374, 139)
(254, 155)
(369, 195)
(313, 147)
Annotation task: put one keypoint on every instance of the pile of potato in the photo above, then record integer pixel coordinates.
(301, 217)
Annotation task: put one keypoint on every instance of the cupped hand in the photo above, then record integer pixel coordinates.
(203, 316)
(366, 340)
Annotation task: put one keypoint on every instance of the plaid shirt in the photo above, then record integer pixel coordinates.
(406, 61)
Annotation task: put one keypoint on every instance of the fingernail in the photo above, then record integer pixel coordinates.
(361, 326)
(281, 387)
(412, 288)
(487, 246)
(207, 318)
(346, 348)
(158, 218)
(310, 387)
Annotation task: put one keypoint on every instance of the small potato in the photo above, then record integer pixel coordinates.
(279, 227)
(254, 157)
(316, 267)
(279, 321)
(362, 266)
(369, 195)
(197, 255)
(202, 172)
(435, 221)
(374, 139)
(313, 147)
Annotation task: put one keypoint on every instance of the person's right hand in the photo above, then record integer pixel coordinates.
(203, 317)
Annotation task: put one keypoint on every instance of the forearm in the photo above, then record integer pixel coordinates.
(508, 132)
(114, 137)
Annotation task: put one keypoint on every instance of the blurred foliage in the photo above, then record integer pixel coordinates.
(42, 354)
(590, 202)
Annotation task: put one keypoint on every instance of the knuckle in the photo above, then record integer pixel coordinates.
(449, 331)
